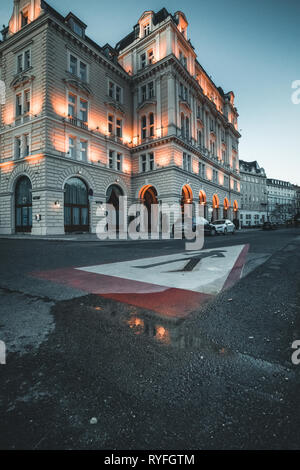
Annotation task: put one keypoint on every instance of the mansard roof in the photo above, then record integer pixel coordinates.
(250, 166)
(157, 18)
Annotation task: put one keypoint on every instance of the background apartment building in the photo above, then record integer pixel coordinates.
(254, 195)
(84, 124)
(282, 200)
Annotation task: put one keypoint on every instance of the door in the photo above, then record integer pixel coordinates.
(23, 205)
(76, 206)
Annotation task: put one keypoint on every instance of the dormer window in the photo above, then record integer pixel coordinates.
(24, 18)
(78, 29)
(146, 29)
(77, 26)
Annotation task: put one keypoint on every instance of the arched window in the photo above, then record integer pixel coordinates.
(148, 196)
(216, 201)
(76, 206)
(113, 193)
(225, 208)
(23, 205)
(202, 197)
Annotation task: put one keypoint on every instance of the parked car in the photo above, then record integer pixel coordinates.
(224, 226)
(269, 226)
(209, 229)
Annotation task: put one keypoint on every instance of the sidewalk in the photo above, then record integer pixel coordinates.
(87, 237)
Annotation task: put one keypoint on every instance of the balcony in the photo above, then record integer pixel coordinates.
(115, 138)
(78, 123)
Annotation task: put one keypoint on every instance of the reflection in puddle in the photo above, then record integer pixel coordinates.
(137, 325)
(162, 335)
(165, 331)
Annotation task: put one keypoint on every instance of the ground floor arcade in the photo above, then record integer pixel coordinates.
(48, 197)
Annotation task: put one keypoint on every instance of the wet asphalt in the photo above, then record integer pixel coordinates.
(221, 379)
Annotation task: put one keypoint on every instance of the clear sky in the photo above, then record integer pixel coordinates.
(249, 46)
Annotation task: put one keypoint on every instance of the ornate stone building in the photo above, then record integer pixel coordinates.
(254, 198)
(282, 200)
(84, 124)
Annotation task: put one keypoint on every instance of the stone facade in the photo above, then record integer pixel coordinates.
(254, 210)
(282, 200)
(138, 116)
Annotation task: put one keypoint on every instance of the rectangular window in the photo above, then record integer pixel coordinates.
(83, 112)
(111, 159)
(18, 147)
(78, 29)
(150, 90)
(184, 161)
(118, 94)
(202, 170)
(181, 90)
(72, 105)
(200, 138)
(110, 124)
(83, 150)
(186, 95)
(119, 127)
(24, 18)
(151, 161)
(26, 145)
(78, 68)
(73, 65)
(144, 93)
(111, 89)
(72, 147)
(20, 63)
(26, 102)
(146, 29)
(119, 162)
(143, 60)
(27, 62)
(151, 125)
(19, 105)
(144, 163)
(83, 72)
(150, 57)
(144, 127)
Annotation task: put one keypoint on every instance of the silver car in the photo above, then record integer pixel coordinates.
(224, 226)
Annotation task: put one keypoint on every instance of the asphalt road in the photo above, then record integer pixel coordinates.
(220, 379)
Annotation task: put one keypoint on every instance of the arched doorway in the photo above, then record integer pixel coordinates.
(216, 205)
(236, 214)
(76, 206)
(202, 202)
(148, 196)
(187, 199)
(225, 208)
(113, 193)
(23, 205)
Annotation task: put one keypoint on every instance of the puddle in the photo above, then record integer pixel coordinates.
(163, 331)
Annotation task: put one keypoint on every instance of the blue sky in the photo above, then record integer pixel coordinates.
(250, 47)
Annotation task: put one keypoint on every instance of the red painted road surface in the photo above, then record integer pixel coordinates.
(166, 301)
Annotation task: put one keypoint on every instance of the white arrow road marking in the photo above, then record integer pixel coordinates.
(206, 275)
